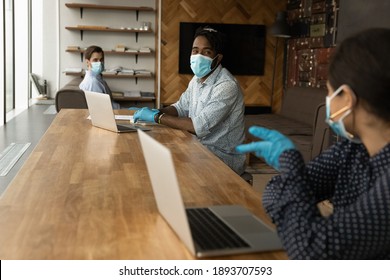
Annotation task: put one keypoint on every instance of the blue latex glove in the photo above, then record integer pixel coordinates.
(273, 145)
(134, 108)
(145, 114)
(138, 108)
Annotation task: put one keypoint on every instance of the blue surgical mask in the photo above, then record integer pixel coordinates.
(97, 67)
(201, 65)
(338, 126)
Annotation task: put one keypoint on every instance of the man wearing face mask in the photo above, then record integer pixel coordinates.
(93, 80)
(354, 174)
(212, 106)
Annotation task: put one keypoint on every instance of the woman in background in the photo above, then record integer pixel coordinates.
(354, 174)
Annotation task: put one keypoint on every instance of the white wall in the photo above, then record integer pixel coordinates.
(50, 45)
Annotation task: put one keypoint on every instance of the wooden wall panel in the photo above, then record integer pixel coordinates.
(257, 89)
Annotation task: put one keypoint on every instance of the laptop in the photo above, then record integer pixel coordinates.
(237, 230)
(102, 115)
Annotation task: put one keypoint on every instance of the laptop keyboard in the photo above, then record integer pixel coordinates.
(124, 127)
(210, 233)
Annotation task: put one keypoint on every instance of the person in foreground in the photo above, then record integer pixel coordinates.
(212, 106)
(354, 174)
(93, 80)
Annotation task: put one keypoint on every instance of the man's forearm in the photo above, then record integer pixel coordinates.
(170, 110)
(178, 123)
(170, 118)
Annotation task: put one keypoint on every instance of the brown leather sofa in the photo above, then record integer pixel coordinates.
(71, 96)
(302, 119)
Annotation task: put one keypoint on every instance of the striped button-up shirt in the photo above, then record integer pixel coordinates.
(216, 108)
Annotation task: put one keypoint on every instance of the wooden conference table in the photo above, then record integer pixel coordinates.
(84, 193)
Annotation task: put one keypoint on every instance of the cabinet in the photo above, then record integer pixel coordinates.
(132, 58)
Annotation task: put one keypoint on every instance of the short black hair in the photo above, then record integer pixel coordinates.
(215, 38)
(362, 62)
(92, 49)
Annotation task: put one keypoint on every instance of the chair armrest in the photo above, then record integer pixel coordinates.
(321, 132)
(70, 97)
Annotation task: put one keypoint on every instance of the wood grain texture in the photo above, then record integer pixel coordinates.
(257, 89)
(84, 193)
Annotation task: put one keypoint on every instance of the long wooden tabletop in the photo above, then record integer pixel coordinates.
(84, 193)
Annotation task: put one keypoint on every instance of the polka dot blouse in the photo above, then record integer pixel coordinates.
(358, 187)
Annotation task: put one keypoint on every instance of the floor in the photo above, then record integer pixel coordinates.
(27, 127)
(30, 125)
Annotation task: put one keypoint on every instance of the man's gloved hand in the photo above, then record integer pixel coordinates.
(273, 145)
(145, 114)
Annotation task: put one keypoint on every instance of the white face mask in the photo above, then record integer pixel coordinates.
(201, 65)
(97, 67)
(338, 126)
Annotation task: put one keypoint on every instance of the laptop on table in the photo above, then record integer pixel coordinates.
(212, 231)
(102, 115)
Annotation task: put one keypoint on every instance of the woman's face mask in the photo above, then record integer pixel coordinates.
(97, 67)
(201, 65)
(338, 126)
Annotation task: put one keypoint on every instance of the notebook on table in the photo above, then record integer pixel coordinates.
(102, 115)
(212, 231)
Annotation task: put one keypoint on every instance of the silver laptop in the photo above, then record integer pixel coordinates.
(102, 115)
(237, 230)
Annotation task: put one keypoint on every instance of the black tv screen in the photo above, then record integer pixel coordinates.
(244, 49)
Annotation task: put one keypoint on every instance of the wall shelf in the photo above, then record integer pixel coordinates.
(106, 29)
(137, 51)
(124, 98)
(82, 6)
(136, 54)
(114, 76)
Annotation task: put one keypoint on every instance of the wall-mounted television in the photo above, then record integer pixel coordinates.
(244, 49)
